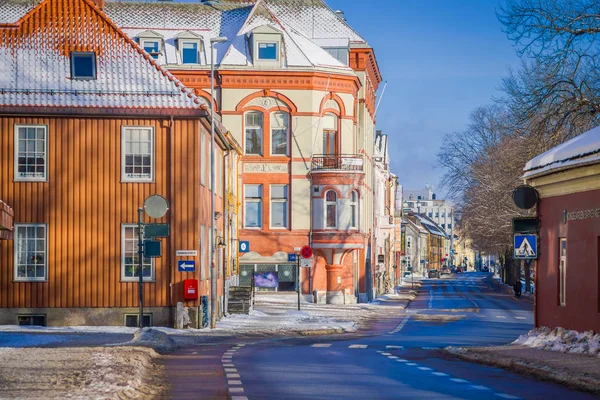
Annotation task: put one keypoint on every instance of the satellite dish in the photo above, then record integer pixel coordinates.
(525, 197)
(156, 206)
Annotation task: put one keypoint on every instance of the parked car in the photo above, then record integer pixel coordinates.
(459, 270)
(445, 271)
(433, 273)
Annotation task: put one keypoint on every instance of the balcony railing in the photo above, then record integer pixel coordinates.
(337, 162)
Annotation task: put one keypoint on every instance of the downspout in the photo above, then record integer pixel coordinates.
(171, 246)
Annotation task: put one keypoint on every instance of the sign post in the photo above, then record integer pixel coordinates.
(305, 252)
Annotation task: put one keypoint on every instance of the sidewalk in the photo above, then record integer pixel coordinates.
(579, 371)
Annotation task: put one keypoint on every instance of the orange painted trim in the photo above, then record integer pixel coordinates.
(267, 93)
(326, 189)
(332, 96)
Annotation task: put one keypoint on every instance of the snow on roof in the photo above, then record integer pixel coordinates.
(431, 226)
(236, 21)
(35, 65)
(581, 150)
(12, 11)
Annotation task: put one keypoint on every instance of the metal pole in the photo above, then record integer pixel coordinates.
(213, 266)
(141, 262)
(298, 278)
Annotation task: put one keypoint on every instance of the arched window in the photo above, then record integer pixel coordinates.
(331, 209)
(279, 133)
(354, 209)
(254, 133)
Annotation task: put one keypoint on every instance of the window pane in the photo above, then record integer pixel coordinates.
(252, 214)
(331, 215)
(253, 191)
(84, 65)
(30, 260)
(189, 53)
(330, 196)
(151, 46)
(267, 51)
(31, 153)
(279, 214)
(137, 154)
(279, 191)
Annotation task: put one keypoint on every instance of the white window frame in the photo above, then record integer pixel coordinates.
(562, 272)
(335, 203)
(198, 44)
(285, 201)
(267, 42)
(156, 54)
(287, 133)
(124, 278)
(258, 200)
(354, 208)
(17, 177)
(262, 133)
(203, 252)
(124, 177)
(16, 246)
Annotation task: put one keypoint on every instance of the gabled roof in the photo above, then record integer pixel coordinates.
(236, 20)
(581, 150)
(431, 226)
(35, 66)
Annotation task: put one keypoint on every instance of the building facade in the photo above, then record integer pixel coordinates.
(567, 274)
(424, 201)
(83, 142)
(297, 90)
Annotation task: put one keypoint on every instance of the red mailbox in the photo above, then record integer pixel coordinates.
(190, 289)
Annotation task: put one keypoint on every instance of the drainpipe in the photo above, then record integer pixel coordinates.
(171, 202)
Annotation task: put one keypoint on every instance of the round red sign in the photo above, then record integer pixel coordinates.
(306, 252)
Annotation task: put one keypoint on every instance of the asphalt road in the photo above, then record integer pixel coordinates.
(401, 358)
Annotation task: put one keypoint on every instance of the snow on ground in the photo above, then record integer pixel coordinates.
(563, 340)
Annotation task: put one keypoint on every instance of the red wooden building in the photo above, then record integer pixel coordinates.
(90, 126)
(567, 279)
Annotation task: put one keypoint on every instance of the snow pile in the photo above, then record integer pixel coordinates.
(153, 338)
(563, 340)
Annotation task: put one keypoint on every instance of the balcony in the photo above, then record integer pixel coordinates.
(337, 162)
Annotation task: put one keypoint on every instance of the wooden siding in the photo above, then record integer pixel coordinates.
(84, 204)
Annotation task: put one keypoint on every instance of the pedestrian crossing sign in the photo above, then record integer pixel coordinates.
(526, 247)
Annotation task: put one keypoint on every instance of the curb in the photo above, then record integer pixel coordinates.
(520, 366)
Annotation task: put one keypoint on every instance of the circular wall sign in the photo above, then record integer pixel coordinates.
(306, 252)
(156, 206)
(525, 197)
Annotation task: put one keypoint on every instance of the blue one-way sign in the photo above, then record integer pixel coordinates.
(526, 246)
(186, 265)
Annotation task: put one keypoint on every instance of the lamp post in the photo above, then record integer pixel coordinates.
(213, 266)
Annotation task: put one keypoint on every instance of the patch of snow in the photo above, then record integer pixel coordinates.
(562, 340)
(580, 149)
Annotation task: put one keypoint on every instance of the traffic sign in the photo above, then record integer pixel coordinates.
(291, 257)
(306, 252)
(186, 265)
(156, 230)
(151, 248)
(306, 262)
(244, 246)
(526, 247)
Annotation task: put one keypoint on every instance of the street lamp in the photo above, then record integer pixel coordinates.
(213, 267)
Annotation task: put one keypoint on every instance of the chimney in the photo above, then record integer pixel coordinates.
(340, 14)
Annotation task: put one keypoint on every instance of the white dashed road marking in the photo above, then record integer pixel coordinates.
(430, 348)
(430, 298)
(411, 364)
(321, 345)
(458, 380)
(424, 368)
(506, 396)
(234, 382)
(520, 318)
(231, 370)
(480, 387)
(400, 325)
(391, 347)
(239, 398)
(393, 357)
(439, 374)
(500, 316)
(402, 360)
(357, 346)
(229, 365)
(236, 390)
(231, 376)
(386, 354)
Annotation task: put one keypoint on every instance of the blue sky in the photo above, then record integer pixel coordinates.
(441, 59)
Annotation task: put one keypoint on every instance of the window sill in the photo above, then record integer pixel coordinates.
(137, 181)
(146, 280)
(21, 180)
(40, 280)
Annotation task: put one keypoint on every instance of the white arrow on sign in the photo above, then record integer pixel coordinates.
(187, 265)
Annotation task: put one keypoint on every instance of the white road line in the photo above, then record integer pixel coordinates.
(430, 298)
(458, 380)
(229, 365)
(412, 364)
(400, 325)
(234, 382)
(386, 354)
(357, 346)
(424, 368)
(430, 348)
(393, 357)
(236, 390)
(520, 318)
(231, 370)
(390, 347)
(480, 387)
(321, 345)
(239, 398)
(439, 374)
(500, 316)
(380, 351)
(232, 376)
(402, 360)
(506, 396)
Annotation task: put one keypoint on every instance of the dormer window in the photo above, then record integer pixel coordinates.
(267, 51)
(83, 65)
(152, 47)
(189, 53)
